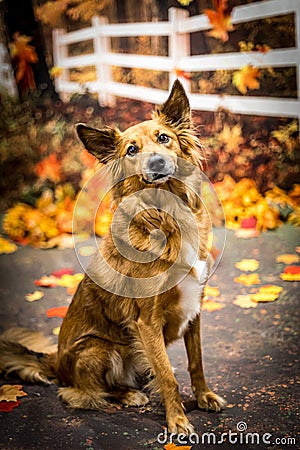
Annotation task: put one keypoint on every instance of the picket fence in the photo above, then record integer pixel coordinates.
(7, 81)
(178, 29)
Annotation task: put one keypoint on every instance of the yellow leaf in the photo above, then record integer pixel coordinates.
(231, 137)
(7, 246)
(10, 392)
(290, 276)
(36, 295)
(211, 291)
(246, 78)
(248, 265)
(211, 306)
(56, 331)
(271, 288)
(287, 258)
(248, 280)
(244, 301)
(268, 293)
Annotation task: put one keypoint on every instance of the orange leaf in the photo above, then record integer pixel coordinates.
(59, 311)
(246, 78)
(7, 246)
(49, 168)
(172, 446)
(287, 258)
(23, 55)
(248, 280)
(291, 273)
(10, 392)
(211, 306)
(220, 19)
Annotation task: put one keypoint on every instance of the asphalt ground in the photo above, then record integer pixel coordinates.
(251, 358)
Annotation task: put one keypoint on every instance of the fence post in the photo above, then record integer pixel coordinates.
(60, 52)
(179, 46)
(104, 73)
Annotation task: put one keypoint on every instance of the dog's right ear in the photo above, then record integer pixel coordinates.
(100, 143)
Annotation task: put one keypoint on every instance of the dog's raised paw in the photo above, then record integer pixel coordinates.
(180, 425)
(134, 398)
(211, 401)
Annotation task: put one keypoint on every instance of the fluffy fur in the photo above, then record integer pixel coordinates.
(110, 346)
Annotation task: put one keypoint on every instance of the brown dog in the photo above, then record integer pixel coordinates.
(125, 312)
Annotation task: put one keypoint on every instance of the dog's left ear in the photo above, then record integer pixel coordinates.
(176, 109)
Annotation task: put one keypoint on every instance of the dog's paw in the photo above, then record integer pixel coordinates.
(211, 401)
(134, 398)
(179, 425)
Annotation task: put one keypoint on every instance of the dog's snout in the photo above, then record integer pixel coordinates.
(157, 163)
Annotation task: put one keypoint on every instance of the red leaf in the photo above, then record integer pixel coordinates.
(8, 406)
(61, 272)
(59, 311)
(292, 269)
(249, 222)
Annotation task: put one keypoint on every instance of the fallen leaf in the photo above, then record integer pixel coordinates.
(70, 282)
(49, 168)
(36, 295)
(249, 222)
(9, 406)
(268, 293)
(87, 250)
(58, 311)
(247, 265)
(248, 280)
(287, 258)
(46, 281)
(56, 331)
(246, 78)
(244, 301)
(6, 246)
(291, 273)
(210, 291)
(211, 306)
(10, 392)
(59, 273)
(23, 55)
(231, 138)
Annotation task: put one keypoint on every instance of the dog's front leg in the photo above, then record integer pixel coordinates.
(206, 399)
(153, 343)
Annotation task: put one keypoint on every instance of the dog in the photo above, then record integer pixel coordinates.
(113, 340)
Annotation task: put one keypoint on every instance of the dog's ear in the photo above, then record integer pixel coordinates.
(176, 109)
(100, 143)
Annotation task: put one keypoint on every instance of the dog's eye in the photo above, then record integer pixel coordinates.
(132, 150)
(163, 138)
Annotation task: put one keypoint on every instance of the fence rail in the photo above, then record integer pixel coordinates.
(7, 81)
(178, 29)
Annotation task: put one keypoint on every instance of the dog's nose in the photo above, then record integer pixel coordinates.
(157, 163)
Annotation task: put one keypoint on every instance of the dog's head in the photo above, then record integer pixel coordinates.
(152, 148)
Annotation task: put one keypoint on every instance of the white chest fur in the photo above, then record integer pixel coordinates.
(190, 296)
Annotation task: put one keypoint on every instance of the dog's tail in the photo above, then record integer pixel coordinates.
(28, 354)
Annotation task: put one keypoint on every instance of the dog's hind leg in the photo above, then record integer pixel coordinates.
(96, 374)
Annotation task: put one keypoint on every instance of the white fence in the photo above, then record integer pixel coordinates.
(7, 81)
(178, 28)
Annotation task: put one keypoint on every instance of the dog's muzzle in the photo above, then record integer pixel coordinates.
(158, 169)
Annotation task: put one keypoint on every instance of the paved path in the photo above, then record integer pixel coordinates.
(251, 358)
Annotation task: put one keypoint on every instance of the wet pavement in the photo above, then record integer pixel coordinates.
(251, 358)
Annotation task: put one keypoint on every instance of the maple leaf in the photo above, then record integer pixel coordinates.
(49, 168)
(220, 19)
(9, 406)
(36, 295)
(23, 55)
(268, 293)
(246, 78)
(287, 258)
(231, 138)
(59, 311)
(10, 392)
(248, 280)
(248, 265)
(244, 301)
